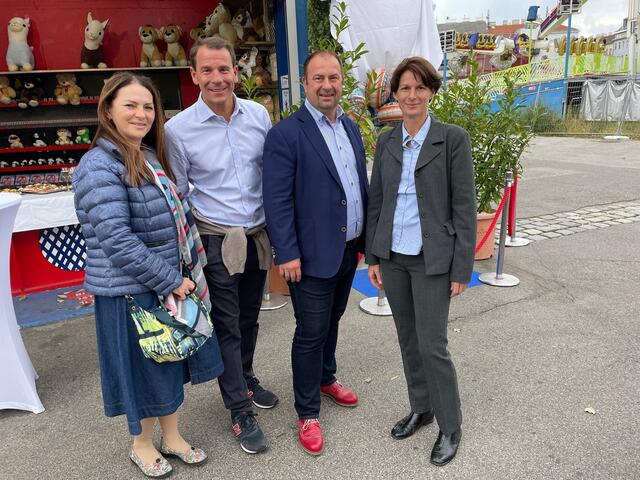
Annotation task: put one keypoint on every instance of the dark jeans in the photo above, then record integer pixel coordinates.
(420, 306)
(318, 304)
(235, 306)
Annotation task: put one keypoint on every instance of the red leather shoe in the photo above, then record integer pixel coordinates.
(339, 394)
(310, 436)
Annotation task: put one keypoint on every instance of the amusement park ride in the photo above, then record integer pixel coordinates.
(532, 42)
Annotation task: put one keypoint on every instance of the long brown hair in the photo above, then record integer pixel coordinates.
(133, 158)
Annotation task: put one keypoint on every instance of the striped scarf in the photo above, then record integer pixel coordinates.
(190, 245)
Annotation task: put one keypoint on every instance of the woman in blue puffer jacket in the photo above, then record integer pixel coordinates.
(132, 249)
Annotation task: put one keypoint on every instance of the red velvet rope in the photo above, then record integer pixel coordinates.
(507, 191)
(512, 204)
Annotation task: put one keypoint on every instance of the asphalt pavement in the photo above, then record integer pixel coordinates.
(530, 360)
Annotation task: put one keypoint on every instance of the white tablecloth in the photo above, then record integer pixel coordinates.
(45, 211)
(17, 376)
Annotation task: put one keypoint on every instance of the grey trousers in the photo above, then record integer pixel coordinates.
(420, 306)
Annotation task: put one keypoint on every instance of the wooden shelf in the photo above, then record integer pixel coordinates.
(48, 148)
(36, 167)
(249, 45)
(52, 103)
(57, 122)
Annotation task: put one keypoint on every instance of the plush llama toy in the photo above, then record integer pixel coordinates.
(19, 53)
(91, 55)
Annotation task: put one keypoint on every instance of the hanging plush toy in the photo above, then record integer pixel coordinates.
(7, 94)
(19, 53)
(91, 55)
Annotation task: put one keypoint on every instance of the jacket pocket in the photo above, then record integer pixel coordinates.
(157, 244)
(448, 225)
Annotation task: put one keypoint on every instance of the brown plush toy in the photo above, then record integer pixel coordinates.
(7, 93)
(67, 91)
(175, 54)
(150, 55)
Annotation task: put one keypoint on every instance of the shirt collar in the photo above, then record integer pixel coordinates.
(418, 140)
(204, 113)
(318, 116)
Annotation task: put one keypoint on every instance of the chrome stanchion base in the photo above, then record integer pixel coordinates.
(517, 242)
(505, 280)
(373, 306)
(272, 301)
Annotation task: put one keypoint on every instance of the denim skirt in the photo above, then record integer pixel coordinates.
(134, 385)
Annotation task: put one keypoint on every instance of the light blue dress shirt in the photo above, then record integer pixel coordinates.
(337, 140)
(223, 161)
(407, 236)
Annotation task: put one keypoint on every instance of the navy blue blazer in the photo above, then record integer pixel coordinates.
(304, 202)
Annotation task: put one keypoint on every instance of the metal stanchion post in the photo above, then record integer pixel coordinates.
(271, 301)
(512, 240)
(499, 279)
(377, 306)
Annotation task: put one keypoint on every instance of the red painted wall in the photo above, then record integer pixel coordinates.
(57, 27)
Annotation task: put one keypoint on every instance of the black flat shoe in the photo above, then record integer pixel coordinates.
(445, 448)
(410, 424)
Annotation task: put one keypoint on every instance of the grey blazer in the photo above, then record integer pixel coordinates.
(445, 190)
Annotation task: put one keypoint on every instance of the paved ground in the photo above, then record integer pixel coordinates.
(530, 359)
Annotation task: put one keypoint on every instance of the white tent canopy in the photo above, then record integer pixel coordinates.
(391, 32)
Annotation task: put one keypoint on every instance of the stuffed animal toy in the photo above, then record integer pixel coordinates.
(14, 141)
(66, 90)
(7, 94)
(31, 93)
(150, 55)
(42, 161)
(175, 54)
(83, 136)
(263, 77)
(60, 161)
(248, 61)
(37, 141)
(219, 23)
(31, 162)
(198, 33)
(19, 53)
(267, 101)
(91, 55)
(4, 164)
(64, 137)
(243, 25)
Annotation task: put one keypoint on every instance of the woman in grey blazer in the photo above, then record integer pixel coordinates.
(420, 239)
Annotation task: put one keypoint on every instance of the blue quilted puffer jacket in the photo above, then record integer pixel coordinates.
(131, 238)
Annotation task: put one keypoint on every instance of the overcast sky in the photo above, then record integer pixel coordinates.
(598, 16)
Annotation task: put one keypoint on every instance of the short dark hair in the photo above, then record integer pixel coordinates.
(421, 68)
(214, 43)
(317, 53)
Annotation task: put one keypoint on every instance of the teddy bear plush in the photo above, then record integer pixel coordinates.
(7, 93)
(175, 54)
(14, 141)
(150, 55)
(19, 53)
(31, 93)
(91, 55)
(67, 91)
(198, 33)
(82, 136)
(219, 23)
(64, 137)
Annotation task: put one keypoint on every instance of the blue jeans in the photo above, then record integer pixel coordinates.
(318, 304)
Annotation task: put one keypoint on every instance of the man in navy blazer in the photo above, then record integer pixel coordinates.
(315, 200)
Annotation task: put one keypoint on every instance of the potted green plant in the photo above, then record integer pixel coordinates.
(498, 137)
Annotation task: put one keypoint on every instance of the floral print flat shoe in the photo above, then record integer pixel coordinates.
(193, 456)
(158, 469)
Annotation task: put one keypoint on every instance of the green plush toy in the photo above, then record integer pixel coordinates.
(83, 136)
